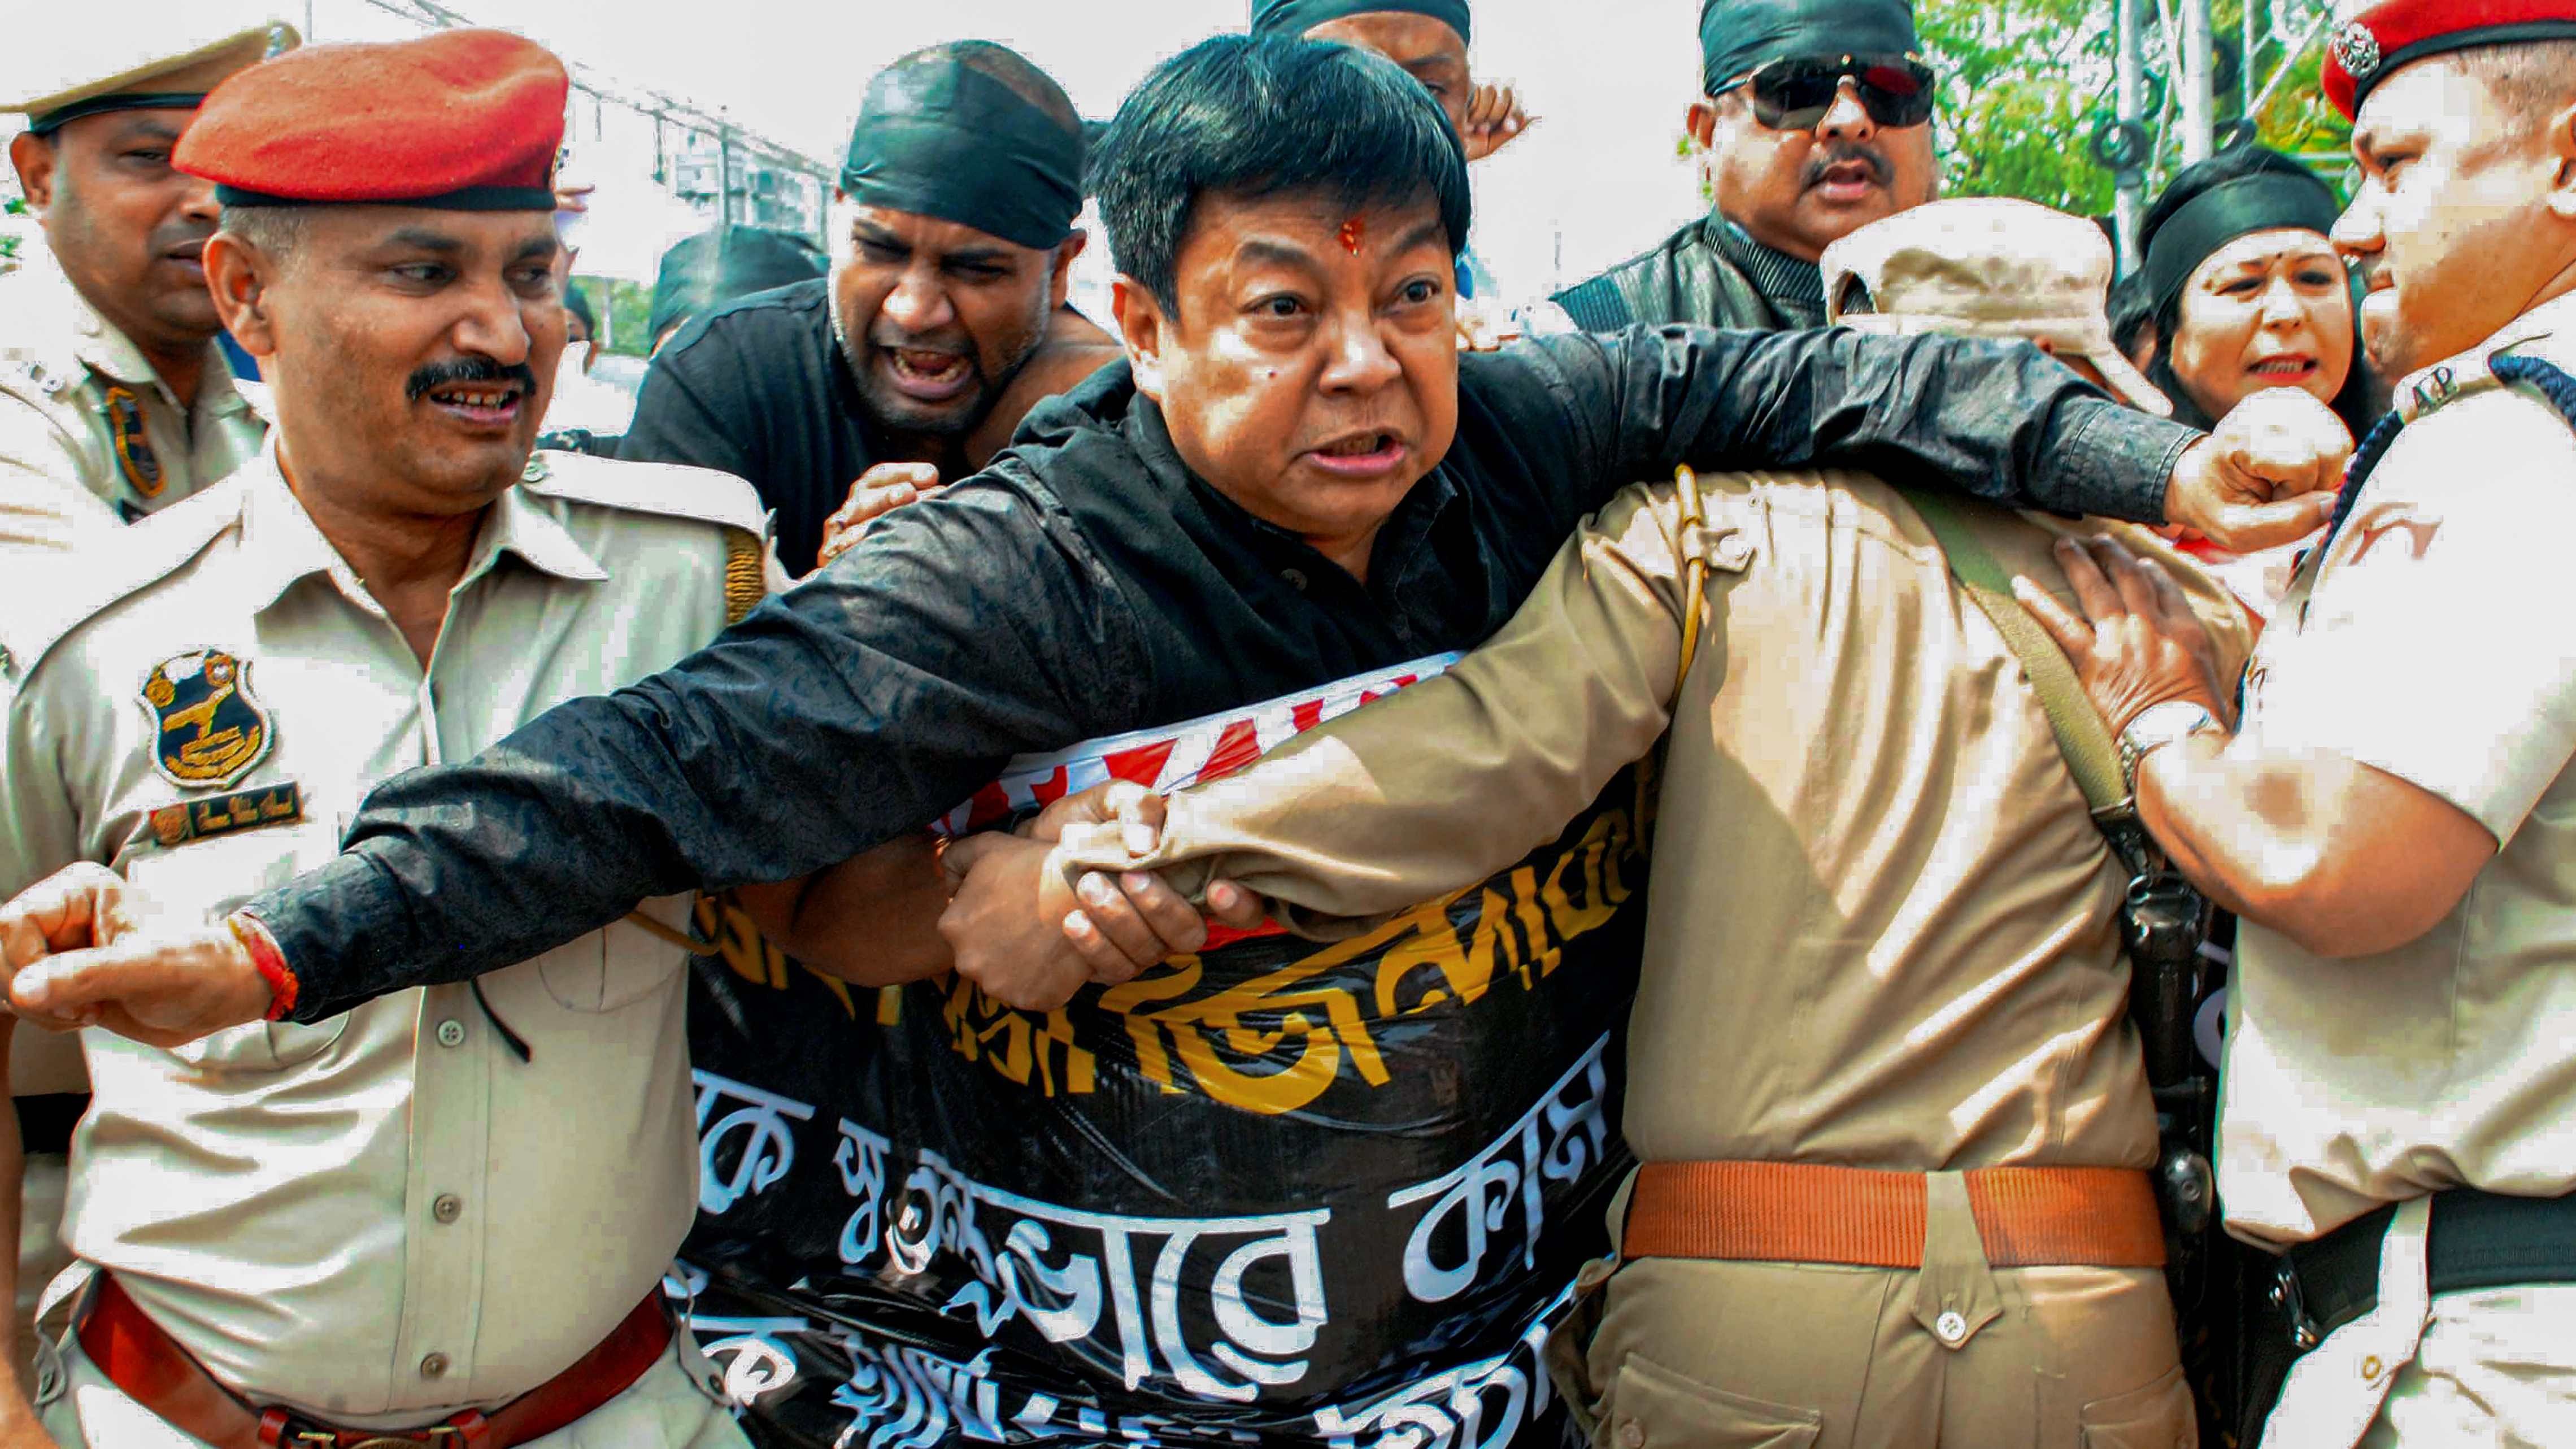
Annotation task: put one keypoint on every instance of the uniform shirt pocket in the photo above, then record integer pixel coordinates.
(1652, 1407)
(206, 880)
(620, 964)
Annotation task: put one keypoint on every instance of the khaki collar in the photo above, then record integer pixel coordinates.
(281, 546)
(2553, 318)
(98, 345)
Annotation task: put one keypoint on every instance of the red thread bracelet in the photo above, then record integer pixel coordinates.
(270, 962)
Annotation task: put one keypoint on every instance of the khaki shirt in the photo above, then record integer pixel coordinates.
(389, 1215)
(62, 471)
(1884, 928)
(2435, 643)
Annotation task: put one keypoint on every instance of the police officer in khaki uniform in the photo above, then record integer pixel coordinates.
(443, 1217)
(114, 399)
(1892, 1116)
(2396, 818)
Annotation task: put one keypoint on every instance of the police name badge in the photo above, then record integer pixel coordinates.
(208, 728)
(176, 825)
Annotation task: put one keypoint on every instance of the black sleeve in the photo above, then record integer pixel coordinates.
(684, 412)
(853, 708)
(1998, 420)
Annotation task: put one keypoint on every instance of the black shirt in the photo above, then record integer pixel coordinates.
(758, 388)
(1088, 584)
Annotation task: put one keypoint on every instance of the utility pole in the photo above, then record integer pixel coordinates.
(724, 176)
(2199, 101)
(2129, 76)
(2250, 40)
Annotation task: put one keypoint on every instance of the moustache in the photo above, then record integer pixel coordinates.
(1843, 153)
(467, 369)
(178, 234)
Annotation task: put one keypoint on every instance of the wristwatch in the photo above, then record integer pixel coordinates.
(2156, 726)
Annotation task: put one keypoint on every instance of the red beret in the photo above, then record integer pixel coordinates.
(2371, 45)
(468, 120)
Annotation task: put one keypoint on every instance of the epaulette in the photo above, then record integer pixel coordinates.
(671, 490)
(2444, 384)
(28, 375)
(107, 569)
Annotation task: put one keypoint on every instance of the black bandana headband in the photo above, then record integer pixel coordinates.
(1289, 19)
(952, 142)
(2265, 201)
(1737, 35)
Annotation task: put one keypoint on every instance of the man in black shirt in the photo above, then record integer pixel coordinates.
(1299, 477)
(1816, 119)
(942, 322)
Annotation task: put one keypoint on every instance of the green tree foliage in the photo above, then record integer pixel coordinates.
(2025, 83)
(626, 309)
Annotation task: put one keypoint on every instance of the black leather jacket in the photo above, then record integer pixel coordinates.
(1689, 279)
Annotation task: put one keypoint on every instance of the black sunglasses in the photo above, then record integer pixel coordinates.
(1794, 93)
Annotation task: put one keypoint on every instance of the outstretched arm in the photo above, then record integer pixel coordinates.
(1455, 777)
(841, 715)
(1997, 420)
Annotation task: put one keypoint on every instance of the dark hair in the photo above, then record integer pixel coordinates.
(1235, 116)
(577, 302)
(2352, 404)
(2132, 308)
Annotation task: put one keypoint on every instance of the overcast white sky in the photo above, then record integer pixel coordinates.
(1609, 78)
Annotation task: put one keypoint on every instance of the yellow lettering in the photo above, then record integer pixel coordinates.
(1585, 861)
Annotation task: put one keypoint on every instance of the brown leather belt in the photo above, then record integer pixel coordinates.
(154, 1371)
(1797, 1212)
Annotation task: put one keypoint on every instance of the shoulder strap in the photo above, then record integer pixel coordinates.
(2081, 736)
(2554, 385)
(1694, 567)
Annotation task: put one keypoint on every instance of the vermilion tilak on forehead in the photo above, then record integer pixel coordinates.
(1354, 231)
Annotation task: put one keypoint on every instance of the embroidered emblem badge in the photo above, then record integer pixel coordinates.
(209, 730)
(134, 455)
(2357, 49)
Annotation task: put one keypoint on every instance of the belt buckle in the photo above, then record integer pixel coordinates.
(2293, 1304)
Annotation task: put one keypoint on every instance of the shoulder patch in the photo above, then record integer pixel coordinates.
(79, 584)
(672, 490)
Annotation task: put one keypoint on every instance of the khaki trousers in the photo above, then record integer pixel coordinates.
(1722, 1355)
(2495, 1366)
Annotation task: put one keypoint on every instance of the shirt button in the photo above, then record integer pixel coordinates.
(1632, 1435)
(434, 1366)
(451, 1033)
(447, 1207)
(1951, 1327)
(1293, 578)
